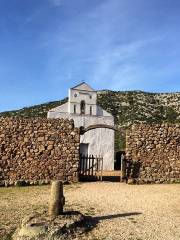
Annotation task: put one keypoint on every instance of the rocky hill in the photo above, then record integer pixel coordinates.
(137, 106)
(127, 107)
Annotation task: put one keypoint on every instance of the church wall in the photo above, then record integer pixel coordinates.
(85, 96)
(86, 121)
(101, 142)
(62, 109)
(57, 114)
(83, 120)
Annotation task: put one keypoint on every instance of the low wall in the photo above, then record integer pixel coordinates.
(153, 152)
(38, 149)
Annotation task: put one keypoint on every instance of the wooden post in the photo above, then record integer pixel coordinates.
(122, 167)
(92, 165)
(56, 199)
(89, 165)
(82, 159)
(85, 164)
(97, 170)
(101, 167)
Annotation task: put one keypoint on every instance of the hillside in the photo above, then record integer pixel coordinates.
(127, 107)
(34, 111)
(137, 106)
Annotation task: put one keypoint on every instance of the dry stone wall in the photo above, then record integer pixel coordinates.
(38, 149)
(153, 153)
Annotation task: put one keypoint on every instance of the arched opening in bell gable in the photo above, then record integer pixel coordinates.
(83, 107)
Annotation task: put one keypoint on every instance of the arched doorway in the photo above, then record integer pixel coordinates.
(119, 155)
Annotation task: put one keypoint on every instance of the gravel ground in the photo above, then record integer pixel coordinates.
(119, 211)
(131, 212)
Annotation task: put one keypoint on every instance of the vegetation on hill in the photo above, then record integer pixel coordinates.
(34, 111)
(127, 108)
(136, 106)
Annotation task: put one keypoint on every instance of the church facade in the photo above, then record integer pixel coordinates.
(83, 109)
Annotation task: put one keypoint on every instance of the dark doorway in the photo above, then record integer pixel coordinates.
(119, 156)
(84, 148)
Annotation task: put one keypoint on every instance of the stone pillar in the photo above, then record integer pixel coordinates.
(56, 200)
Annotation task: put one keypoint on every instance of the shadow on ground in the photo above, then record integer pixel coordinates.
(89, 222)
(92, 222)
(104, 178)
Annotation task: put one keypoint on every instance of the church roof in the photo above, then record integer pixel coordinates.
(84, 87)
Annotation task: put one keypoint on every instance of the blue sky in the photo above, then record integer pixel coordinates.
(47, 46)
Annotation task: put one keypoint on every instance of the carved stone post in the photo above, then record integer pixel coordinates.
(56, 200)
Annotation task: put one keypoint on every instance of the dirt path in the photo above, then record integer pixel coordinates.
(121, 211)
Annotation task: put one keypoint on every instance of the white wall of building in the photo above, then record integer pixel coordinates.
(101, 140)
(78, 95)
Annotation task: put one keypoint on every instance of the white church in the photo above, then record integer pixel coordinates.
(83, 109)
